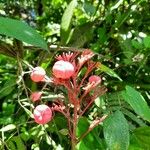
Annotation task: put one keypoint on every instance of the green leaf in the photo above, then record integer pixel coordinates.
(80, 36)
(64, 131)
(16, 143)
(19, 143)
(102, 35)
(11, 145)
(146, 42)
(121, 18)
(66, 21)
(133, 117)
(137, 102)
(109, 71)
(8, 87)
(91, 141)
(140, 139)
(21, 31)
(89, 8)
(8, 128)
(116, 132)
(100, 102)
(137, 44)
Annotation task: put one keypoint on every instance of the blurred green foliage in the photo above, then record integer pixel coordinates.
(118, 31)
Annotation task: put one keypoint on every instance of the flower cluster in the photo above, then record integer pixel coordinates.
(75, 72)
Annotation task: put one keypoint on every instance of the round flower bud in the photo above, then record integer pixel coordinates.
(95, 79)
(35, 96)
(63, 69)
(42, 114)
(38, 74)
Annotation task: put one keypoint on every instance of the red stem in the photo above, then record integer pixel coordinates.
(75, 121)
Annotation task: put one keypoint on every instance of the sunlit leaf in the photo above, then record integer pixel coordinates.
(108, 71)
(8, 128)
(64, 131)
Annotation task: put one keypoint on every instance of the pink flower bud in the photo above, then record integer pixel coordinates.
(63, 69)
(38, 74)
(35, 96)
(42, 114)
(94, 79)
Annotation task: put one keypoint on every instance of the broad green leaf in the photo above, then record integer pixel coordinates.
(21, 31)
(146, 42)
(116, 132)
(66, 21)
(137, 102)
(91, 141)
(140, 139)
(108, 71)
(8, 128)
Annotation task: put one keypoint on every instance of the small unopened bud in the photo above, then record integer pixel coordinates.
(38, 74)
(94, 79)
(42, 114)
(35, 96)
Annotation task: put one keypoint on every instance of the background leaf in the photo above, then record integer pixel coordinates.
(8, 87)
(146, 42)
(109, 71)
(66, 21)
(140, 139)
(80, 36)
(116, 132)
(21, 31)
(137, 102)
